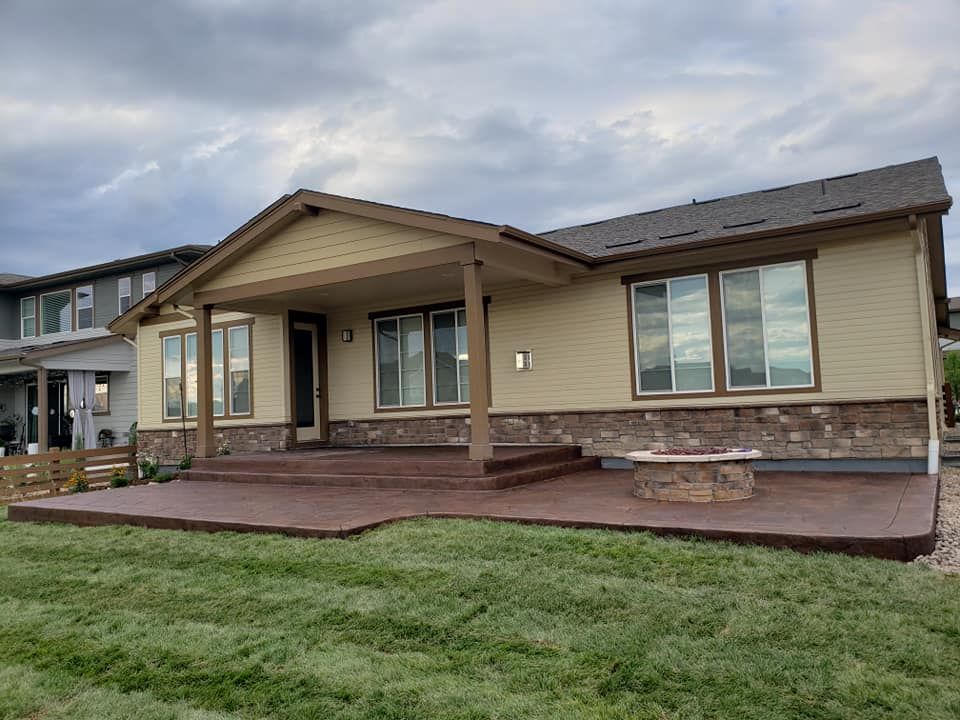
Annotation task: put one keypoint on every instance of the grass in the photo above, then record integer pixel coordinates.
(457, 619)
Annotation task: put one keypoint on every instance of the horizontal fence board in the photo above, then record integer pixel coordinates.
(31, 477)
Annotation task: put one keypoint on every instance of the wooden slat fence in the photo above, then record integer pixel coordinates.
(30, 477)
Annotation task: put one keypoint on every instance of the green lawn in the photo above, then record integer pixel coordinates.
(456, 619)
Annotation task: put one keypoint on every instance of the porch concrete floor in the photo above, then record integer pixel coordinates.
(884, 515)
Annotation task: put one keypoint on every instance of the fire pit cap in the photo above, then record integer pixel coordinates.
(733, 454)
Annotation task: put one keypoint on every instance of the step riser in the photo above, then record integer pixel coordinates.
(396, 482)
(282, 463)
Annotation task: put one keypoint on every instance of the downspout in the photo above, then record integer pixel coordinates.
(933, 392)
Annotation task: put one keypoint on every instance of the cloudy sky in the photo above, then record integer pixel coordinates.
(127, 127)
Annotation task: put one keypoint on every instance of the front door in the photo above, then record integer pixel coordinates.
(308, 382)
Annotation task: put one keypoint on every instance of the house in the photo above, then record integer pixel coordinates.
(54, 324)
(800, 320)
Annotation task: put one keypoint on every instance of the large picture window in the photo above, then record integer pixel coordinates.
(56, 312)
(671, 326)
(400, 361)
(767, 327)
(230, 357)
(451, 364)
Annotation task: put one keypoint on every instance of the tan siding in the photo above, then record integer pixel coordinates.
(326, 241)
(269, 371)
(868, 320)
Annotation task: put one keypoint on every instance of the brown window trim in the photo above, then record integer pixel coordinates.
(716, 327)
(182, 333)
(424, 311)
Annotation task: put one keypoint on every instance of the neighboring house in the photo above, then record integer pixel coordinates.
(54, 324)
(800, 320)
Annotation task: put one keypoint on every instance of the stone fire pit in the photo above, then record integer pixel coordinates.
(693, 474)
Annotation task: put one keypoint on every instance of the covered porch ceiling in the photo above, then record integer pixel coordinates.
(382, 291)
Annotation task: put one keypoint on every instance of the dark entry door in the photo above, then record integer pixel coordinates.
(308, 382)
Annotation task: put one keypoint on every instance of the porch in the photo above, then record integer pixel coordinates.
(884, 515)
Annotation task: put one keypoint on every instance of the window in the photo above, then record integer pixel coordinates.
(123, 295)
(149, 283)
(101, 403)
(767, 327)
(400, 361)
(56, 312)
(451, 364)
(218, 380)
(239, 349)
(28, 317)
(180, 358)
(84, 307)
(172, 373)
(190, 374)
(671, 328)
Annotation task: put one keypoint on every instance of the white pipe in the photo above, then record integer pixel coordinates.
(933, 457)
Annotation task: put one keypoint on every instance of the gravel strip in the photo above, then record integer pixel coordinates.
(946, 555)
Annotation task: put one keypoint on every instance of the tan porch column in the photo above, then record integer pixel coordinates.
(43, 410)
(480, 447)
(205, 443)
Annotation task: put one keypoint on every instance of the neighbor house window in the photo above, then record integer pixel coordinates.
(149, 283)
(56, 312)
(238, 345)
(451, 364)
(767, 327)
(123, 295)
(671, 328)
(172, 374)
(101, 403)
(84, 307)
(28, 317)
(233, 380)
(400, 361)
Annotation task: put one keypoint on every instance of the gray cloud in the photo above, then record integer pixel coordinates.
(130, 127)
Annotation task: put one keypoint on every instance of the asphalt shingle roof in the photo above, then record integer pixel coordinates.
(885, 189)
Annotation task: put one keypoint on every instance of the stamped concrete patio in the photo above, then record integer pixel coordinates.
(884, 515)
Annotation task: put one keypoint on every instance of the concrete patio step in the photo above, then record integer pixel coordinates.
(437, 468)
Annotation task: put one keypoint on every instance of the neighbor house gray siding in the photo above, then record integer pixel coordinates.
(123, 407)
(9, 317)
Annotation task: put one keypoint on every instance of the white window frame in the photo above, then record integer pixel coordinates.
(433, 364)
(121, 295)
(153, 282)
(35, 317)
(763, 320)
(165, 377)
(228, 372)
(636, 338)
(40, 311)
(376, 362)
(77, 308)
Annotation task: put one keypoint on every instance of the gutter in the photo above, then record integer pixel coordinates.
(925, 296)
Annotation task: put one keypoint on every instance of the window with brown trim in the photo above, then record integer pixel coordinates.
(230, 346)
(420, 357)
(724, 330)
(101, 403)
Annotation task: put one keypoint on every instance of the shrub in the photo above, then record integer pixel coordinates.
(164, 477)
(186, 462)
(118, 477)
(133, 433)
(149, 467)
(78, 482)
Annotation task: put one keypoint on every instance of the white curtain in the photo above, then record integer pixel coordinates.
(74, 394)
(82, 389)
